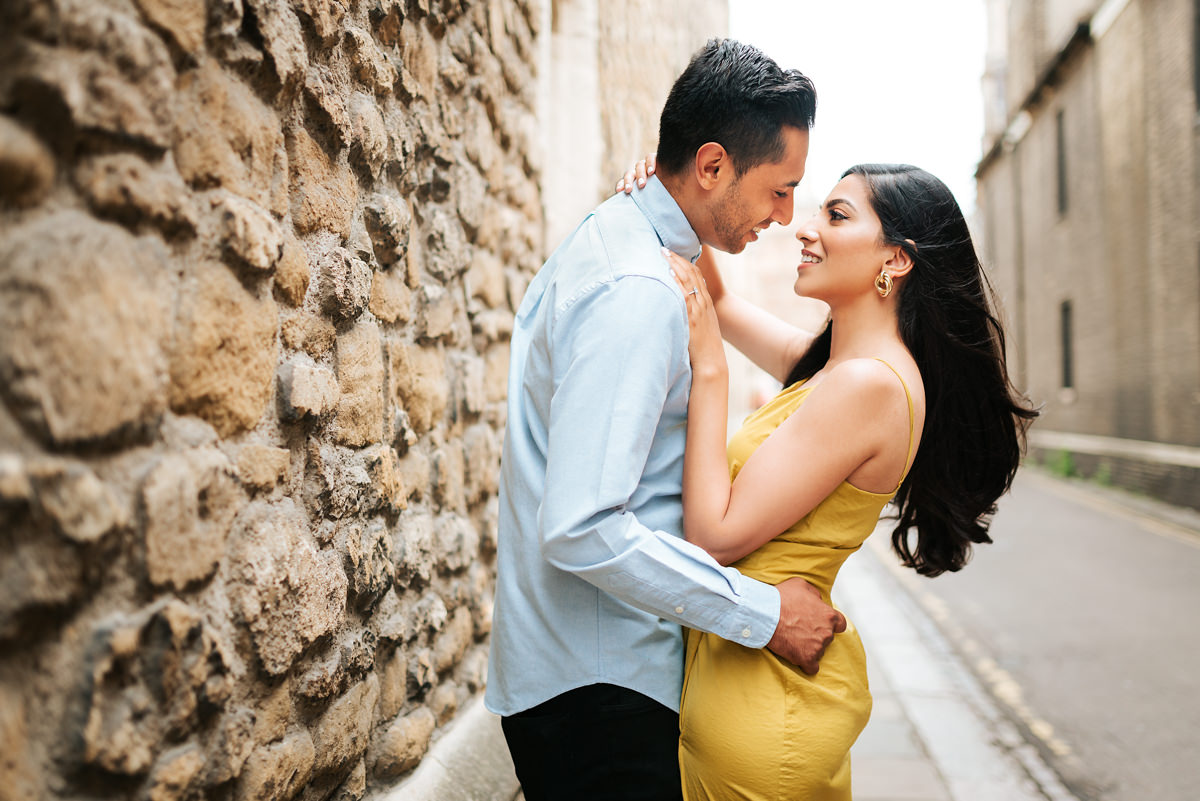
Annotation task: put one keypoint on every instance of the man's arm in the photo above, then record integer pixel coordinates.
(611, 385)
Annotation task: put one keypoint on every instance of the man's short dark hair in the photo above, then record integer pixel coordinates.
(733, 94)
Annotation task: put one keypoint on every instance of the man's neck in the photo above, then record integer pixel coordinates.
(677, 188)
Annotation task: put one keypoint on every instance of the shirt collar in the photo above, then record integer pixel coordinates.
(669, 222)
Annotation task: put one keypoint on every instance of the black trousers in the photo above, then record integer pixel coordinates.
(596, 743)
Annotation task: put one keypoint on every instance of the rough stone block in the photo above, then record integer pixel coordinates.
(18, 776)
(443, 702)
(401, 747)
(323, 189)
(343, 284)
(354, 787)
(283, 39)
(470, 397)
(74, 500)
(368, 63)
(311, 333)
(391, 299)
(325, 17)
(26, 165)
(360, 376)
(416, 474)
(485, 279)
(482, 459)
(457, 542)
(149, 676)
(118, 83)
(393, 686)
(306, 389)
(287, 591)
(419, 380)
(387, 18)
(495, 372)
(453, 640)
(446, 252)
(189, 500)
(85, 313)
(369, 563)
(263, 466)
(129, 190)
(175, 775)
(368, 135)
(413, 553)
(181, 20)
(436, 312)
(342, 733)
(292, 273)
(327, 104)
(388, 222)
(249, 235)
(229, 746)
(273, 712)
(420, 54)
(279, 771)
(225, 351)
(448, 478)
(225, 137)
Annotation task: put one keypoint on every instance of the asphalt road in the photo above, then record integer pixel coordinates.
(1083, 619)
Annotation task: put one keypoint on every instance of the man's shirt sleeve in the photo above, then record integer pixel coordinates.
(617, 348)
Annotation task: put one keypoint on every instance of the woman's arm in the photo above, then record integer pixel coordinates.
(769, 342)
(852, 419)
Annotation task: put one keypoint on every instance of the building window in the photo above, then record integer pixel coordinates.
(1068, 360)
(1061, 153)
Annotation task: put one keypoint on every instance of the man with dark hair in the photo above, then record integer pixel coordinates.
(594, 580)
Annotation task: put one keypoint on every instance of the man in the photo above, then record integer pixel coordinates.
(594, 580)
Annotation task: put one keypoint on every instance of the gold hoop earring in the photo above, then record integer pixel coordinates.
(883, 284)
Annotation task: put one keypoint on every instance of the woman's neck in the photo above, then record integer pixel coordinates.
(865, 329)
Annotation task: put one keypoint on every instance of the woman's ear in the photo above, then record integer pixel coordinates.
(901, 262)
(713, 165)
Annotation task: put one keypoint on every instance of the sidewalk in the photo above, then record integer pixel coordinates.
(934, 734)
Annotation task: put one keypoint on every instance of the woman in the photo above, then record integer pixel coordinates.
(904, 397)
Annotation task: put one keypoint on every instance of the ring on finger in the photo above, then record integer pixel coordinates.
(695, 290)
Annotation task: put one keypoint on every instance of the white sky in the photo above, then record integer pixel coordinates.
(897, 81)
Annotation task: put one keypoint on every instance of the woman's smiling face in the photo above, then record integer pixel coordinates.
(843, 245)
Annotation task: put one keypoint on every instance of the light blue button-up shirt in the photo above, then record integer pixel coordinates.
(594, 578)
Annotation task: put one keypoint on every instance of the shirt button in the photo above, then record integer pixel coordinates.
(679, 610)
(745, 632)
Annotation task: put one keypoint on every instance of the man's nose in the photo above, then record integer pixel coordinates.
(783, 210)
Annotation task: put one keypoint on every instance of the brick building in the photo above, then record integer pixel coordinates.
(1089, 201)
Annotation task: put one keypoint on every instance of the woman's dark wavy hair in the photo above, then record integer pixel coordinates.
(975, 420)
(734, 94)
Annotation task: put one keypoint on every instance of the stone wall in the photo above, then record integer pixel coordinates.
(258, 262)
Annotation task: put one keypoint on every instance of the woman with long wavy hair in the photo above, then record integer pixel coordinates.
(904, 397)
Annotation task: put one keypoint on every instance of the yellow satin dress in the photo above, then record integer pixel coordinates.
(752, 726)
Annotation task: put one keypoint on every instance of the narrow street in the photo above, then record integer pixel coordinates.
(1080, 620)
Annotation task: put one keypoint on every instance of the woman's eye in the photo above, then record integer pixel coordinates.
(836, 215)
(779, 194)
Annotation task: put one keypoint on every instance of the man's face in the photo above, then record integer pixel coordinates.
(760, 196)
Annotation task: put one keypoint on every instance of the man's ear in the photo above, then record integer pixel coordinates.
(713, 166)
(901, 263)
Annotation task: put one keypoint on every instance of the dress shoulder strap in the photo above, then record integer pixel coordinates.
(911, 423)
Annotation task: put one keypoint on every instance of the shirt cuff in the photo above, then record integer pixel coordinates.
(754, 623)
